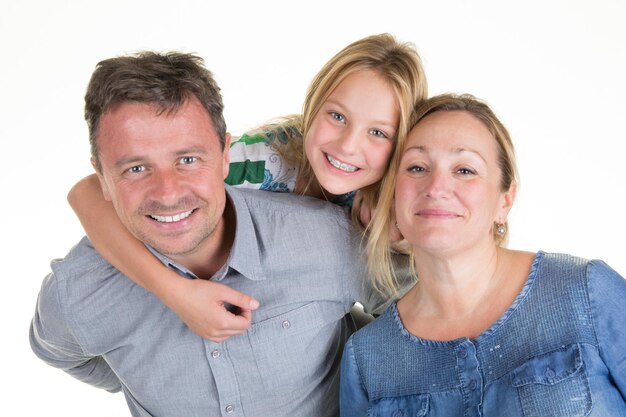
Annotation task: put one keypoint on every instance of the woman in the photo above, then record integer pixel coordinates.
(485, 331)
(355, 108)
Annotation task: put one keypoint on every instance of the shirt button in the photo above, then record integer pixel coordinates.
(398, 413)
(286, 324)
(550, 372)
(215, 354)
(463, 353)
(230, 408)
(472, 385)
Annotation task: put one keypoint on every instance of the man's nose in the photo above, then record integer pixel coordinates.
(166, 186)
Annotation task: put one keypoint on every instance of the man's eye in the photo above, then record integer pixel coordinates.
(337, 116)
(186, 160)
(136, 169)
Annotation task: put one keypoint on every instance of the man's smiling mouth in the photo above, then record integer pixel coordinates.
(171, 219)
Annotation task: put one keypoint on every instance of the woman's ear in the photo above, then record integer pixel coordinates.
(506, 201)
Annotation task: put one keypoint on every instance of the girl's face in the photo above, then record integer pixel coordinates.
(448, 194)
(353, 134)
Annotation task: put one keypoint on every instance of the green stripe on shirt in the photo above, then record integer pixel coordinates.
(250, 171)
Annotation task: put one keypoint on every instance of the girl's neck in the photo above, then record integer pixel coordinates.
(312, 188)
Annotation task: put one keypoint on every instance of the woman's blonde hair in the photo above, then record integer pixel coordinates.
(398, 63)
(379, 245)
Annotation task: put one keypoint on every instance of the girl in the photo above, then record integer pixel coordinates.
(355, 109)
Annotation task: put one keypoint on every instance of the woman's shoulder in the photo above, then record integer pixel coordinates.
(570, 268)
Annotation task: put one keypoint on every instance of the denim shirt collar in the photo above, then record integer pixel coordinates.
(244, 254)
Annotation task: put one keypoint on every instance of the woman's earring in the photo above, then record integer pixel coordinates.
(500, 229)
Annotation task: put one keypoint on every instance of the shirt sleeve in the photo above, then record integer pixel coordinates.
(607, 292)
(53, 341)
(353, 399)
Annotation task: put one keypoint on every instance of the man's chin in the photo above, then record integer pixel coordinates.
(171, 247)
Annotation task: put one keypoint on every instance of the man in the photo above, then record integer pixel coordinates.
(160, 149)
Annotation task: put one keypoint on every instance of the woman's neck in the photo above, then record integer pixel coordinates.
(453, 286)
(463, 295)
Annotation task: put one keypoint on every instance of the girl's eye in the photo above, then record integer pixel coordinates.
(136, 169)
(186, 160)
(337, 116)
(378, 133)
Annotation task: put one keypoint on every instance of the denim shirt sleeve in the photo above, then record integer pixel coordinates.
(607, 292)
(53, 341)
(353, 400)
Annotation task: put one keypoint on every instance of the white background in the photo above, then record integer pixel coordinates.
(553, 71)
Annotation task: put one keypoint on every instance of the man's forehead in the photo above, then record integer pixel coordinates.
(138, 130)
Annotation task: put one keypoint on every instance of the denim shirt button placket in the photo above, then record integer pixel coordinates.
(467, 362)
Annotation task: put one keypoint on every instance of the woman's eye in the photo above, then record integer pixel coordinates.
(378, 133)
(186, 160)
(136, 169)
(415, 169)
(465, 171)
(337, 116)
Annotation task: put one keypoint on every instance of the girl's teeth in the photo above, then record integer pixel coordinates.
(340, 165)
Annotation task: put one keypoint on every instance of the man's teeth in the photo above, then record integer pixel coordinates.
(340, 165)
(171, 219)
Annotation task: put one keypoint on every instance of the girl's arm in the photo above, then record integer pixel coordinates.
(199, 303)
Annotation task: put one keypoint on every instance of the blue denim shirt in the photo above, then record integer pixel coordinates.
(299, 257)
(559, 350)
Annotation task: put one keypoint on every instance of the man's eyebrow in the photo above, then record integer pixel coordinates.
(191, 150)
(129, 161)
(139, 158)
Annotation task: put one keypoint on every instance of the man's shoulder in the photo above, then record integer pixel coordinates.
(83, 257)
(83, 270)
(291, 204)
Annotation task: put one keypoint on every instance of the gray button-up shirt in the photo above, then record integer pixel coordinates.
(298, 256)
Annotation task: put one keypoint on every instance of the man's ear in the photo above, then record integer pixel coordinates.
(226, 156)
(105, 189)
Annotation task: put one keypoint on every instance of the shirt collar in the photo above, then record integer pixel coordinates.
(244, 255)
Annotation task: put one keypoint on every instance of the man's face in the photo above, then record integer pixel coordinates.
(165, 176)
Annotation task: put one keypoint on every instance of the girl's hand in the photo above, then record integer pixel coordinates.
(210, 309)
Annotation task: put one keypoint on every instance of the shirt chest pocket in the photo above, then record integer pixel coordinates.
(405, 406)
(299, 347)
(554, 384)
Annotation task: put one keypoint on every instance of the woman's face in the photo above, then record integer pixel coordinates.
(353, 134)
(447, 193)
